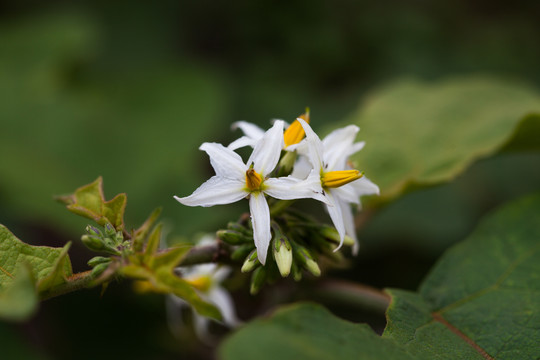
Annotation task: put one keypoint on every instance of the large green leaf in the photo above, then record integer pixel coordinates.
(421, 134)
(308, 331)
(25, 270)
(482, 298)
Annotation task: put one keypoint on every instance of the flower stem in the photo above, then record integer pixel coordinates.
(280, 207)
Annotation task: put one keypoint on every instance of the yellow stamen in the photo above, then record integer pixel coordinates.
(334, 179)
(295, 132)
(201, 283)
(253, 180)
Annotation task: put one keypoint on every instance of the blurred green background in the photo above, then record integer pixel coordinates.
(129, 90)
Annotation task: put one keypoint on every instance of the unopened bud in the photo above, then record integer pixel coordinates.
(92, 230)
(251, 262)
(98, 260)
(232, 237)
(241, 252)
(296, 272)
(283, 255)
(110, 231)
(331, 234)
(240, 228)
(93, 242)
(257, 280)
(305, 258)
(100, 268)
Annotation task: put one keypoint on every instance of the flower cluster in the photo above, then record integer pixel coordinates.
(287, 163)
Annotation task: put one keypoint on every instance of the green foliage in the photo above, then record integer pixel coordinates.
(484, 291)
(308, 331)
(88, 201)
(27, 270)
(480, 301)
(420, 134)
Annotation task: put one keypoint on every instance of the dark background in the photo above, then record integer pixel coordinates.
(129, 90)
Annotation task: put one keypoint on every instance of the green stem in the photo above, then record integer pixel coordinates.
(354, 293)
(280, 207)
(74, 282)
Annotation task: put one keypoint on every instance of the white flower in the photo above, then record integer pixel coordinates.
(207, 279)
(253, 133)
(235, 180)
(343, 185)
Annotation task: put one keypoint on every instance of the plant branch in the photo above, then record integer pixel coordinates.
(73, 283)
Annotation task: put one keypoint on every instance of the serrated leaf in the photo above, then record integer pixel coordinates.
(420, 134)
(308, 331)
(59, 273)
(42, 260)
(88, 201)
(18, 298)
(481, 300)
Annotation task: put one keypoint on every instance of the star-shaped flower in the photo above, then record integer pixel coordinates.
(342, 185)
(235, 180)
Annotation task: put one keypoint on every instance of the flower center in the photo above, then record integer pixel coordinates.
(295, 132)
(334, 179)
(201, 283)
(253, 180)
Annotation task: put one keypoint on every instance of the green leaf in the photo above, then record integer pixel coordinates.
(59, 274)
(18, 299)
(481, 300)
(89, 201)
(157, 269)
(140, 234)
(420, 134)
(43, 261)
(308, 331)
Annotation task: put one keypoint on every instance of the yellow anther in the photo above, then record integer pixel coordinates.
(253, 180)
(201, 283)
(334, 179)
(295, 132)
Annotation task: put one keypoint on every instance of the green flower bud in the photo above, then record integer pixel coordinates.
(251, 262)
(283, 255)
(306, 260)
(241, 229)
(100, 268)
(93, 242)
(94, 231)
(98, 260)
(286, 163)
(241, 252)
(331, 234)
(233, 237)
(296, 271)
(110, 231)
(257, 280)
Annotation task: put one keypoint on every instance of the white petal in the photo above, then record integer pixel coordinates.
(356, 147)
(314, 145)
(364, 186)
(224, 302)
(290, 188)
(260, 218)
(348, 221)
(302, 168)
(215, 191)
(336, 215)
(347, 193)
(225, 162)
(221, 274)
(337, 147)
(242, 142)
(250, 130)
(266, 154)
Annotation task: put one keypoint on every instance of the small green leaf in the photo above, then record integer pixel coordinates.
(18, 298)
(481, 300)
(153, 242)
(308, 331)
(140, 234)
(88, 201)
(420, 134)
